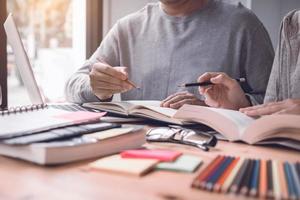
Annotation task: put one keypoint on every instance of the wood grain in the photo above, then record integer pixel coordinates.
(23, 180)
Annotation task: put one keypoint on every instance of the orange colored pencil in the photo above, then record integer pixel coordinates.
(282, 180)
(211, 171)
(206, 171)
(222, 179)
(263, 179)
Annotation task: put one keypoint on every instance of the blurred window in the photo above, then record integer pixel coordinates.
(53, 33)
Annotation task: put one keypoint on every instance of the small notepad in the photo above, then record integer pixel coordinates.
(185, 163)
(117, 164)
(161, 155)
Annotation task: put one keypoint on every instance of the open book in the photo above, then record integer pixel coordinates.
(145, 109)
(236, 126)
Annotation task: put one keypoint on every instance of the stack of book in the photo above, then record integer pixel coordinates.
(50, 136)
(251, 177)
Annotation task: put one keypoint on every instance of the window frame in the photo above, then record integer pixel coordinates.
(94, 35)
(3, 53)
(94, 25)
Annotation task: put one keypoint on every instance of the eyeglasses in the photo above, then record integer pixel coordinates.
(179, 135)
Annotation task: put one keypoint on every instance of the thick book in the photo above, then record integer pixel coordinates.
(144, 109)
(88, 146)
(236, 126)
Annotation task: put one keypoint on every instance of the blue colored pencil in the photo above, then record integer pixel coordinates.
(289, 178)
(254, 181)
(218, 173)
(213, 173)
(296, 179)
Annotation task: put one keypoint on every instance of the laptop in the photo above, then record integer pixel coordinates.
(25, 69)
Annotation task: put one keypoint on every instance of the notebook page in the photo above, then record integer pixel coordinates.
(38, 120)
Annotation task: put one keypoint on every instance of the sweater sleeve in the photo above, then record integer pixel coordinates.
(259, 54)
(78, 87)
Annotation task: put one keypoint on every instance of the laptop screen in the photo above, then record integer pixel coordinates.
(22, 61)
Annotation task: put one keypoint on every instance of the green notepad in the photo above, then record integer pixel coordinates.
(185, 163)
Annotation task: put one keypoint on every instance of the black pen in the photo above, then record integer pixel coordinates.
(207, 83)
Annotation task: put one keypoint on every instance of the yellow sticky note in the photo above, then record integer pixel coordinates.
(128, 166)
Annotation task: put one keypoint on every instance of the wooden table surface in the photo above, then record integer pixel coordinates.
(26, 181)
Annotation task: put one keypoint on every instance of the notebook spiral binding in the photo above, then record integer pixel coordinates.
(21, 109)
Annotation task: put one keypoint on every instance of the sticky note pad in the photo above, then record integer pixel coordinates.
(117, 164)
(161, 155)
(185, 163)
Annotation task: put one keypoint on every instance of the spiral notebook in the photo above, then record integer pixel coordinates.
(27, 120)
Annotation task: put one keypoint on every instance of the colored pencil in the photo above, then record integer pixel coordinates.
(218, 173)
(289, 179)
(238, 179)
(276, 184)
(298, 169)
(255, 179)
(270, 191)
(283, 182)
(227, 184)
(263, 184)
(205, 172)
(296, 180)
(244, 187)
(222, 179)
(212, 171)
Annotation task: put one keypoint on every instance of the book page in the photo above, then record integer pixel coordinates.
(240, 120)
(229, 123)
(271, 126)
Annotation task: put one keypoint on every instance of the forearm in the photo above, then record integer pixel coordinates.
(78, 89)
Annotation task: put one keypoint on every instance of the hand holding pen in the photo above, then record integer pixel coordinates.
(106, 80)
(221, 91)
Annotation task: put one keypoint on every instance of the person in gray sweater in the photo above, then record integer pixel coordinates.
(169, 43)
(283, 91)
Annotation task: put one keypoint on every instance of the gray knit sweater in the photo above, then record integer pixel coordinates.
(163, 51)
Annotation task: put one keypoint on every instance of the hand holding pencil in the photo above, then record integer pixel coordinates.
(223, 91)
(106, 80)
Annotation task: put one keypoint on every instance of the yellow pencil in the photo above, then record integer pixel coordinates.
(276, 184)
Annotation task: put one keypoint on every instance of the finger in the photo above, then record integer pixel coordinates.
(295, 110)
(174, 95)
(109, 70)
(262, 106)
(224, 79)
(122, 70)
(101, 77)
(210, 98)
(106, 92)
(179, 104)
(207, 76)
(177, 99)
(268, 110)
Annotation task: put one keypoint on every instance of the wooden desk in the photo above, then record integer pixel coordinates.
(22, 180)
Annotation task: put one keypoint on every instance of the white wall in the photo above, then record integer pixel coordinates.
(115, 9)
(271, 13)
